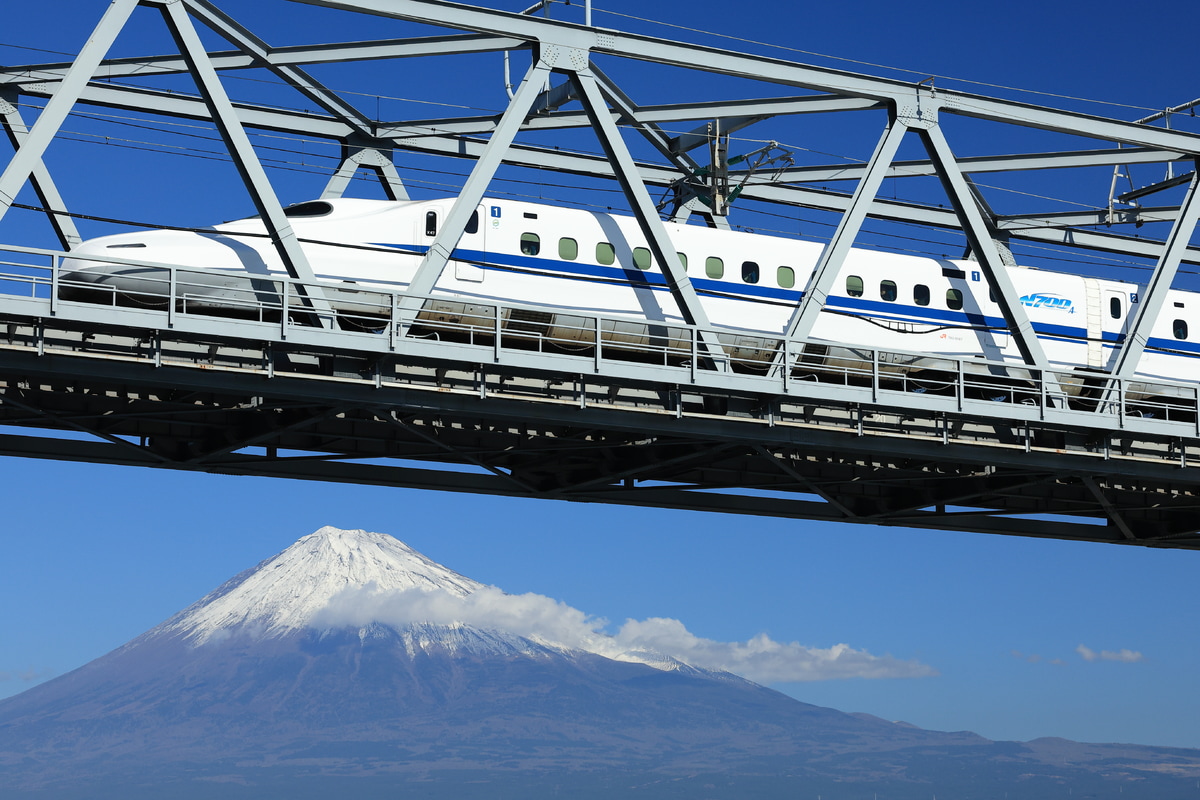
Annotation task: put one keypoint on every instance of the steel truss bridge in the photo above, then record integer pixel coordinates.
(288, 387)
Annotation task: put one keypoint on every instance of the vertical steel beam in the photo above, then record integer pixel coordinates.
(1151, 303)
(43, 183)
(820, 284)
(643, 207)
(980, 238)
(455, 223)
(248, 166)
(29, 154)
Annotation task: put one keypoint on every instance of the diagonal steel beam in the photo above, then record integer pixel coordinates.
(651, 225)
(43, 183)
(452, 227)
(248, 166)
(1155, 296)
(820, 283)
(979, 235)
(29, 154)
(294, 76)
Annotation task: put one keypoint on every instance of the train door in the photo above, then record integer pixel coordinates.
(1095, 322)
(429, 224)
(1116, 311)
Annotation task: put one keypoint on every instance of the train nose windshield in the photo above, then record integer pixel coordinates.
(312, 208)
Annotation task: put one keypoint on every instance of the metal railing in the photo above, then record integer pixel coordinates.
(370, 317)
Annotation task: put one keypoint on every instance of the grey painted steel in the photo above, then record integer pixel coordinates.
(690, 56)
(1155, 296)
(820, 284)
(473, 189)
(244, 157)
(651, 225)
(524, 155)
(982, 244)
(142, 66)
(330, 410)
(355, 158)
(979, 235)
(29, 155)
(295, 77)
(43, 183)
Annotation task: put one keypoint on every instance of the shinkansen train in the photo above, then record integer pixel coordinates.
(575, 264)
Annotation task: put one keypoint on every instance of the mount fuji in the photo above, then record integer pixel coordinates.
(351, 665)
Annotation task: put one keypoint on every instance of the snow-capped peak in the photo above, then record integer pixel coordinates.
(286, 591)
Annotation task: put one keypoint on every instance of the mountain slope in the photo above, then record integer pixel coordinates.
(249, 692)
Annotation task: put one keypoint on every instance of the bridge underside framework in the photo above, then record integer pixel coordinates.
(509, 415)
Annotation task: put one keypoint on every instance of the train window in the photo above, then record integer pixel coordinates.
(954, 299)
(431, 223)
(854, 286)
(568, 249)
(714, 267)
(887, 291)
(991, 294)
(605, 254)
(949, 272)
(1179, 328)
(1114, 307)
(750, 271)
(473, 223)
(641, 258)
(313, 208)
(785, 277)
(531, 244)
(683, 261)
(921, 294)
(530, 215)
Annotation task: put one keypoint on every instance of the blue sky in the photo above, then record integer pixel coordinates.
(94, 555)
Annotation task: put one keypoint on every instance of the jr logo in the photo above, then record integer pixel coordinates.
(1040, 300)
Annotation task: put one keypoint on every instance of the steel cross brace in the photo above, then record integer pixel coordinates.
(365, 156)
(979, 234)
(1160, 283)
(253, 175)
(29, 154)
(43, 183)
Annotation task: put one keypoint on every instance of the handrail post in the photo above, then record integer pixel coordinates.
(283, 315)
(55, 266)
(172, 287)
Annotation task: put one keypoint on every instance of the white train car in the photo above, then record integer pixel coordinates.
(576, 263)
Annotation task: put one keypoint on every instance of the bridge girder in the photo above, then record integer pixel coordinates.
(569, 50)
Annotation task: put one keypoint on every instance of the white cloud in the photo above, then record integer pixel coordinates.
(1125, 656)
(543, 619)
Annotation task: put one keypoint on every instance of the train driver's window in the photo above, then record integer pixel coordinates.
(1179, 328)
(785, 277)
(641, 258)
(921, 294)
(431, 223)
(1114, 307)
(605, 254)
(531, 244)
(568, 249)
(854, 286)
(887, 291)
(954, 299)
(714, 267)
(750, 271)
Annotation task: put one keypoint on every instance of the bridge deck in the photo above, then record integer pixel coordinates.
(495, 407)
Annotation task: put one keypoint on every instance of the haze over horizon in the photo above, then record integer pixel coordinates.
(1010, 638)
